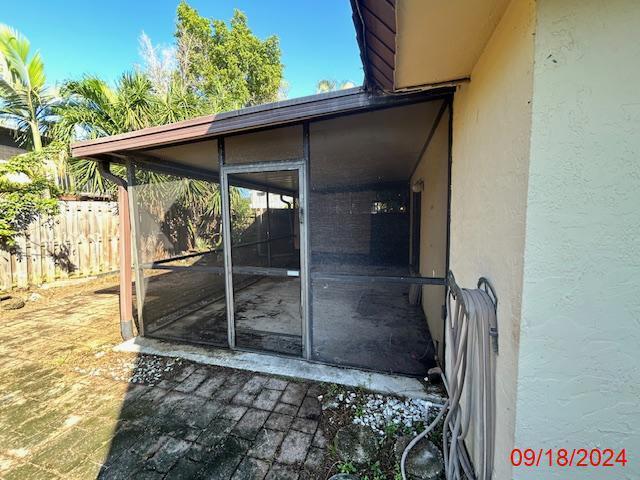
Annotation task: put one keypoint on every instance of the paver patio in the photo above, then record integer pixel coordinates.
(69, 410)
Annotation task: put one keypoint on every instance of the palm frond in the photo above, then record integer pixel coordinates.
(22, 84)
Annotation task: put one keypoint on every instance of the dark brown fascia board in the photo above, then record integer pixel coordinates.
(384, 11)
(252, 118)
(375, 25)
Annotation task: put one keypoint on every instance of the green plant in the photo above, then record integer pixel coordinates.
(376, 472)
(413, 428)
(391, 429)
(90, 108)
(328, 85)
(24, 98)
(333, 390)
(26, 192)
(226, 64)
(346, 467)
(397, 473)
(202, 244)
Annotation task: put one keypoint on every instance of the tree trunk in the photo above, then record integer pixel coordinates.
(37, 138)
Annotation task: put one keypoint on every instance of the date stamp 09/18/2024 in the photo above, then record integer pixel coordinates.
(564, 457)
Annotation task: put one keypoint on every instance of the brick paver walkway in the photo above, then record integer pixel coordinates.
(67, 409)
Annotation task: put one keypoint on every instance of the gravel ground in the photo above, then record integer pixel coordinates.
(145, 369)
(388, 417)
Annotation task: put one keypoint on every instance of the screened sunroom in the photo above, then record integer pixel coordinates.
(315, 228)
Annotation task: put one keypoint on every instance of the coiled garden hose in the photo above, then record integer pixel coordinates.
(472, 345)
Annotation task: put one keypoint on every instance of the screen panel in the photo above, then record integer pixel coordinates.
(370, 325)
(265, 255)
(178, 232)
(359, 212)
(276, 144)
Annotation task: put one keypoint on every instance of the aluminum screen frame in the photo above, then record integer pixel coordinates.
(225, 172)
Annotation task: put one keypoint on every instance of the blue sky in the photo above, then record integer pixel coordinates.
(101, 37)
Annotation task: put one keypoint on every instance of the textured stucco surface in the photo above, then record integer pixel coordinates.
(433, 171)
(491, 133)
(579, 365)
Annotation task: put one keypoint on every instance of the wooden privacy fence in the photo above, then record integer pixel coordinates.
(82, 240)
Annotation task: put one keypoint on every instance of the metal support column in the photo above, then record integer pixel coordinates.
(305, 282)
(124, 250)
(226, 243)
(268, 231)
(135, 229)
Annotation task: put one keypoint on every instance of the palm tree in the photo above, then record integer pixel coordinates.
(24, 99)
(327, 85)
(91, 109)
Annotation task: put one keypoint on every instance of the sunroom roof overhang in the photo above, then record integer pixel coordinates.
(266, 116)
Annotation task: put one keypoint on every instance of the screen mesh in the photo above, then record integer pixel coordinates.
(360, 168)
(277, 144)
(265, 235)
(372, 326)
(359, 173)
(179, 236)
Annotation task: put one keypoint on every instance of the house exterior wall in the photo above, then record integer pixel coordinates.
(545, 177)
(579, 362)
(433, 171)
(490, 161)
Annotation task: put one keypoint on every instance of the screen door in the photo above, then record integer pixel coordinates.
(265, 308)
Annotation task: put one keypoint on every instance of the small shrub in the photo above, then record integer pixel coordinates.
(391, 429)
(347, 467)
(26, 192)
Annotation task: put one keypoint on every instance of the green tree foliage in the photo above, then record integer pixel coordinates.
(227, 64)
(24, 98)
(26, 192)
(92, 109)
(217, 67)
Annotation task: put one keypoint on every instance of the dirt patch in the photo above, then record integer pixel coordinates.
(48, 293)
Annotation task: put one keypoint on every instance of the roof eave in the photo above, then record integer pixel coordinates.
(252, 118)
(375, 25)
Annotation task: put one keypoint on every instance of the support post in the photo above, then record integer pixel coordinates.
(139, 276)
(124, 250)
(268, 231)
(303, 212)
(226, 243)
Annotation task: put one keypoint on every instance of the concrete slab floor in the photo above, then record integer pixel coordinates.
(267, 317)
(283, 366)
(362, 326)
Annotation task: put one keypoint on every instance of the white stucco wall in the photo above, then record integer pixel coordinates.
(491, 133)
(579, 361)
